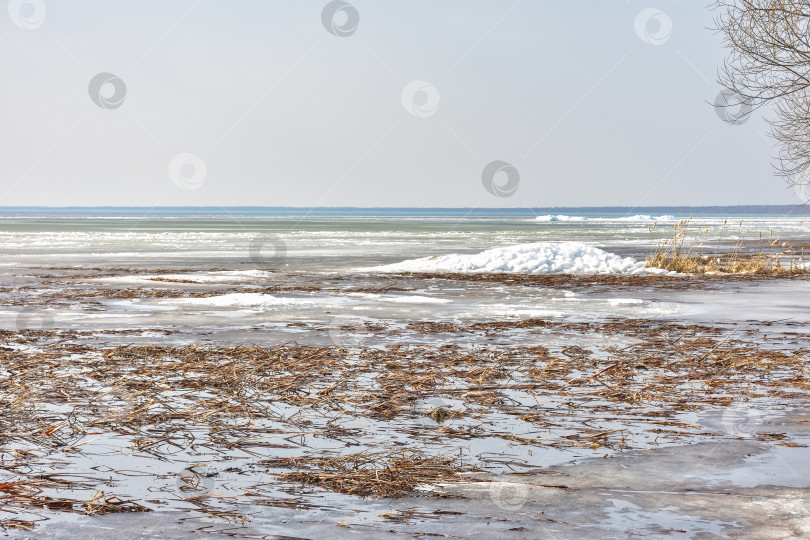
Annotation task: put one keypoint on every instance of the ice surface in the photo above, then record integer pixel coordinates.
(403, 299)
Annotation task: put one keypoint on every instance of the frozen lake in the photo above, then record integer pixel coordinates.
(553, 355)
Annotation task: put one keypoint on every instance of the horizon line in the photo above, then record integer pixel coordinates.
(797, 205)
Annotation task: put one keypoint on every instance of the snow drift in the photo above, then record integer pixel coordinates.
(537, 258)
(637, 217)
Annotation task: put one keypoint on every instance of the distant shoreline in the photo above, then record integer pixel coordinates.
(337, 211)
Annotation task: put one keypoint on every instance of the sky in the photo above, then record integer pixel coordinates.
(464, 103)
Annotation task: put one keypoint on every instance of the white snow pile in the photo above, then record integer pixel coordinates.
(645, 217)
(226, 276)
(537, 258)
(637, 217)
(245, 300)
(561, 218)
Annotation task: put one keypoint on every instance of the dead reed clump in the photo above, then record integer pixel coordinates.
(685, 252)
(172, 280)
(380, 475)
(22, 494)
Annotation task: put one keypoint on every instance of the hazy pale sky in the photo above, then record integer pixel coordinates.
(372, 103)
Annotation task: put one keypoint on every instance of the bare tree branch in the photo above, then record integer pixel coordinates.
(769, 62)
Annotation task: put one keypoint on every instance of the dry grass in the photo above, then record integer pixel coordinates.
(381, 475)
(685, 252)
(173, 280)
(162, 400)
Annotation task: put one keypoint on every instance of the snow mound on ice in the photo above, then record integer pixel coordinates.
(537, 258)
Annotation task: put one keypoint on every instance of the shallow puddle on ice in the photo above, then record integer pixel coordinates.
(626, 516)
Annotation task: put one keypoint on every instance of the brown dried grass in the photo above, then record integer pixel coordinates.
(683, 253)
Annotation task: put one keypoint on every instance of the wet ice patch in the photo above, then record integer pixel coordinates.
(401, 299)
(509, 312)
